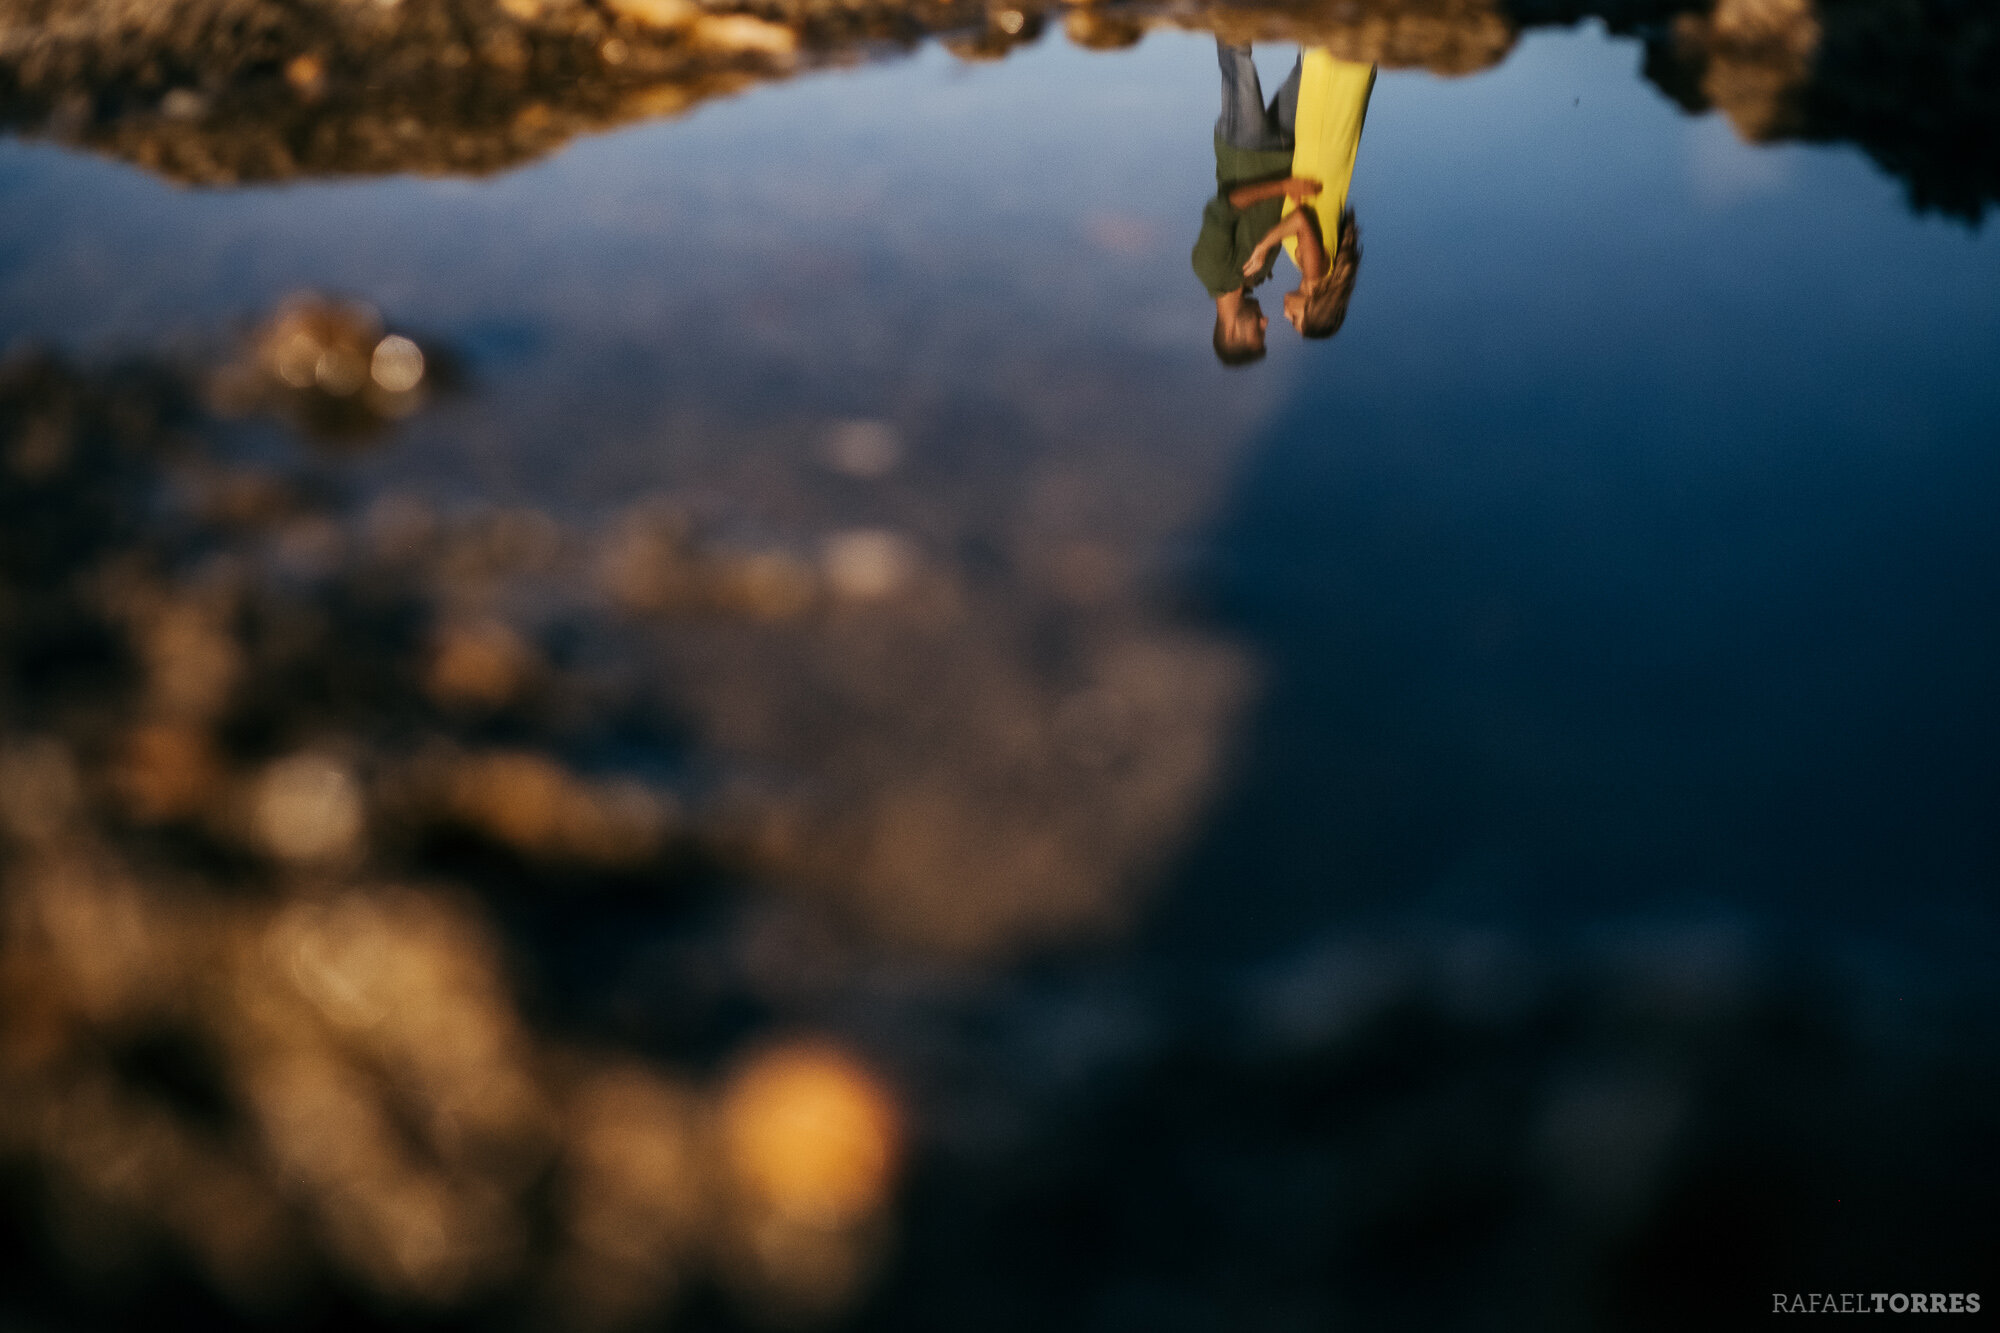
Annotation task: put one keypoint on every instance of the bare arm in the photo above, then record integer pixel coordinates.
(1312, 250)
(1298, 187)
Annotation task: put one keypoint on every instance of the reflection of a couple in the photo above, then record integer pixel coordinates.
(1279, 168)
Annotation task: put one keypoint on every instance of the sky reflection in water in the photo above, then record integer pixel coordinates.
(1445, 773)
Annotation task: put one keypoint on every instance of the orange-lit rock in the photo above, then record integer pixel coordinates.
(169, 771)
(637, 1191)
(868, 563)
(1098, 31)
(39, 789)
(308, 808)
(811, 1135)
(537, 807)
(192, 659)
(744, 33)
(307, 75)
(313, 342)
(658, 13)
(483, 664)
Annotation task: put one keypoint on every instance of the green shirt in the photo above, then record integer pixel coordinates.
(1228, 234)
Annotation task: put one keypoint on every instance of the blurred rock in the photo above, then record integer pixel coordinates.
(812, 1142)
(327, 367)
(1094, 29)
(638, 1189)
(532, 805)
(482, 664)
(865, 449)
(308, 808)
(810, 1136)
(867, 564)
(169, 771)
(39, 792)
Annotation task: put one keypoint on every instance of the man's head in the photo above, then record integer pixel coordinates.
(1319, 312)
(1239, 336)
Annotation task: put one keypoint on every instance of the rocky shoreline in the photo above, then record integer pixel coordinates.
(221, 92)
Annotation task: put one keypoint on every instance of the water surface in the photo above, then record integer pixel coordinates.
(1484, 822)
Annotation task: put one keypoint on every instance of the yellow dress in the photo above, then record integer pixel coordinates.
(1333, 102)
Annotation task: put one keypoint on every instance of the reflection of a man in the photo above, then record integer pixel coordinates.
(1280, 169)
(1253, 176)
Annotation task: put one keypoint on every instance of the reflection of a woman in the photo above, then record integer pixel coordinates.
(1253, 177)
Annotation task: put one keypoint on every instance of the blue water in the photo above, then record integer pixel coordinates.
(1631, 546)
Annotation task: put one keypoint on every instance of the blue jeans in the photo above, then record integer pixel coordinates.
(1245, 121)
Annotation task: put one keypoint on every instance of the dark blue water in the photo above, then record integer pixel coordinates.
(1633, 549)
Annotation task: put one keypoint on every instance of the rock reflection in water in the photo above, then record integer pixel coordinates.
(270, 761)
(225, 91)
(473, 919)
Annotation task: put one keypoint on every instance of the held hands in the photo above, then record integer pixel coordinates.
(1295, 225)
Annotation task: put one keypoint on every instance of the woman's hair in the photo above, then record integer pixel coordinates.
(1326, 300)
